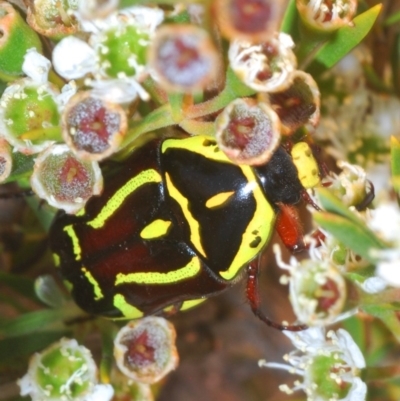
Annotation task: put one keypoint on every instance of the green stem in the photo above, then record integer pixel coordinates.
(176, 101)
(234, 88)
(194, 127)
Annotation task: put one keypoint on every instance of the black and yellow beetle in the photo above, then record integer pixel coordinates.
(177, 223)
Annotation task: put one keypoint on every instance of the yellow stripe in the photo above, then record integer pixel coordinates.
(219, 199)
(193, 223)
(261, 226)
(75, 241)
(191, 303)
(203, 145)
(155, 229)
(119, 196)
(129, 311)
(98, 294)
(190, 270)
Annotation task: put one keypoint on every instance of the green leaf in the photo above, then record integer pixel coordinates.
(388, 314)
(344, 40)
(22, 166)
(24, 286)
(392, 19)
(357, 237)
(395, 162)
(291, 20)
(32, 322)
(25, 345)
(44, 214)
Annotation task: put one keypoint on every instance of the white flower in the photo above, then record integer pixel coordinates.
(114, 59)
(36, 66)
(324, 363)
(317, 288)
(42, 101)
(65, 371)
(265, 67)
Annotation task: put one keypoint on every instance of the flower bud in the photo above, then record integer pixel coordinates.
(16, 38)
(326, 15)
(252, 20)
(183, 58)
(41, 110)
(65, 371)
(53, 19)
(266, 66)
(248, 132)
(145, 349)
(297, 105)
(92, 127)
(64, 181)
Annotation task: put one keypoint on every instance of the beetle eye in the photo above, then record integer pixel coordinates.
(156, 229)
(219, 199)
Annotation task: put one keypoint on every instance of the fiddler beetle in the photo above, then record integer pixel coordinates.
(177, 223)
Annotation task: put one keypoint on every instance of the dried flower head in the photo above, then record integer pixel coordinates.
(183, 58)
(65, 181)
(297, 105)
(145, 349)
(248, 132)
(252, 20)
(93, 128)
(265, 66)
(65, 371)
(327, 15)
(52, 18)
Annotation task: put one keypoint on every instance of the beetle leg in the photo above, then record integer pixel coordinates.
(252, 294)
(369, 197)
(289, 228)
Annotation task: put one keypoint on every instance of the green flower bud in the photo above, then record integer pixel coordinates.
(16, 38)
(65, 371)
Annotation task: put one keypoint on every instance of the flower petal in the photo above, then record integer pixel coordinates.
(73, 58)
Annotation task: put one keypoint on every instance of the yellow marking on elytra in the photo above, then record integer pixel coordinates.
(188, 271)
(191, 303)
(260, 225)
(203, 145)
(119, 196)
(219, 199)
(98, 294)
(193, 223)
(307, 167)
(157, 228)
(80, 213)
(128, 310)
(75, 241)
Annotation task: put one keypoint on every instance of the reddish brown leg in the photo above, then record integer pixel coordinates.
(289, 228)
(253, 297)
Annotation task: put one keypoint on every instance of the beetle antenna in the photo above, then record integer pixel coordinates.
(253, 297)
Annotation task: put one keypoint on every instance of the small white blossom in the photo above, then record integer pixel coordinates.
(335, 359)
(70, 364)
(316, 286)
(36, 66)
(115, 79)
